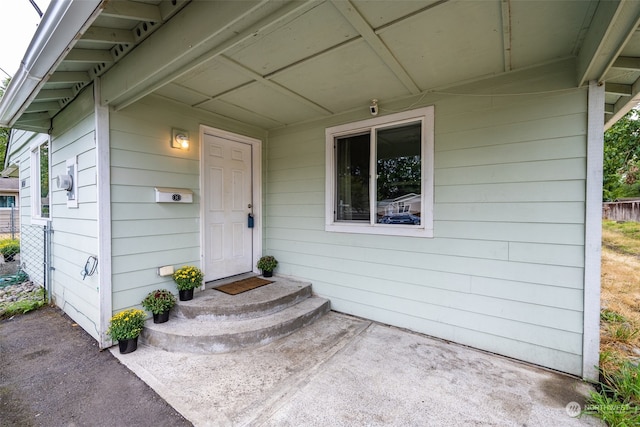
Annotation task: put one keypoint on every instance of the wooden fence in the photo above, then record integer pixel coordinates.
(622, 211)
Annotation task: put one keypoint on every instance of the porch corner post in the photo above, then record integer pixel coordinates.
(104, 214)
(593, 232)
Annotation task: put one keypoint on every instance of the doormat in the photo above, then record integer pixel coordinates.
(243, 285)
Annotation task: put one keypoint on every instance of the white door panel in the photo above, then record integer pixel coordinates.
(228, 189)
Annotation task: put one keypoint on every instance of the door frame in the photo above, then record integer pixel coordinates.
(256, 190)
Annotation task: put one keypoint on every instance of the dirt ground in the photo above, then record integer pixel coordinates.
(52, 373)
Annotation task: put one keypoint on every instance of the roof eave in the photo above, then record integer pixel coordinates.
(56, 34)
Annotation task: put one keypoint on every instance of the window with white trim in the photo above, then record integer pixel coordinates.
(7, 201)
(380, 175)
(40, 182)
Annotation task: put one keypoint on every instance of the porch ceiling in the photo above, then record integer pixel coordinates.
(276, 63)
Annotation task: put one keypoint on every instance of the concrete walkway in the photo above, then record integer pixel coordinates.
(346, 371)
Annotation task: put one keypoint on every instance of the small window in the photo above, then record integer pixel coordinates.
(40, 181)
(380, 175)
(7, 201)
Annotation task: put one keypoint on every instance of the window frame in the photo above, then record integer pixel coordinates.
(426, 116)
(8, 195)
(35, 193)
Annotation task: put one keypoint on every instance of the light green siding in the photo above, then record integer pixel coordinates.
(504, 271)
(145, 234)
(75, 231)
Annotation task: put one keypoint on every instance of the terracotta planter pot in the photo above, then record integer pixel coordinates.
(185, 295)
(128, 346)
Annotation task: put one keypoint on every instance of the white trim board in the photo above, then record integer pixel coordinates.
(593, 233)
(103, 184)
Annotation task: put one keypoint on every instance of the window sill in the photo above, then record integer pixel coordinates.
(378, 229)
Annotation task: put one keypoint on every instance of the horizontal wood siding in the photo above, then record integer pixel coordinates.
(147, 235)
(75, 236)
(504, 271)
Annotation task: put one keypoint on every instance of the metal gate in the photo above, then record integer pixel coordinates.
(33, 262)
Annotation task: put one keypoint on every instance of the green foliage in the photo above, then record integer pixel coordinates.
(621, 167)
(33, 302)
(611, 411)
(624, 332)
(9, 248)
(4, 132)
(267, 263)
(188, 277)
(159, 301)
(619, 395)
(127, 324)
(611, 316)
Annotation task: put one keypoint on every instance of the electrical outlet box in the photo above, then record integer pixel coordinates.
(167, 270)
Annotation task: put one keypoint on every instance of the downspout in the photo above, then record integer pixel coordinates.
(56, 35)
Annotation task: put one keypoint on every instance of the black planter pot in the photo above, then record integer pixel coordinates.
(185, 295)
(267, 273)
(128, 345)
(161, 317)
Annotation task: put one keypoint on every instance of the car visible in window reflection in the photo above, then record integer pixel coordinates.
(404, 218)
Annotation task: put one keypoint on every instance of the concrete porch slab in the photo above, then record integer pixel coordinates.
(345, 371)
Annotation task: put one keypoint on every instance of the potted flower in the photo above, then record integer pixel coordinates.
(159, 302)
(10, 249)
(187, 278)
(267, 264)
(125, 327)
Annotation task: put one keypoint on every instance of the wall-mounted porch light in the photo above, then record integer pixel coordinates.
(180, 139)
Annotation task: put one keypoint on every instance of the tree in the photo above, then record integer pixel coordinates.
(4, 132)
(621, 168)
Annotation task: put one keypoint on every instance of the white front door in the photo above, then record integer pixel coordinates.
(228, 202)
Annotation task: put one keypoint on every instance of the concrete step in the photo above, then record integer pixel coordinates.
(204, 335)
(215, 305)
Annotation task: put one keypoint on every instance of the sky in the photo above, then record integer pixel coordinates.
(17, 26)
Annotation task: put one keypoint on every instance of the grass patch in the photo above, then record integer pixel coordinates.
(617, 401)
(33, 302)
(611, 316)
(622, 237)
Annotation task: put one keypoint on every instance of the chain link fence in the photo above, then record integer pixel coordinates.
(25, 256)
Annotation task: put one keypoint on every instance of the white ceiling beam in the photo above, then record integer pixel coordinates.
(108, 35)
(354, 17)
(132, 10)
(164, 57)
(506, 34)
(612, 26)
(627, 63)
(54, 94)
(69, 77)
(618, 89)
(88, 55)
(34, 117)
(623, 105)
(37, 107)
(42, 126)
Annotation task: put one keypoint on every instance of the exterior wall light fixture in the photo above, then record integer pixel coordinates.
(180, 139)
